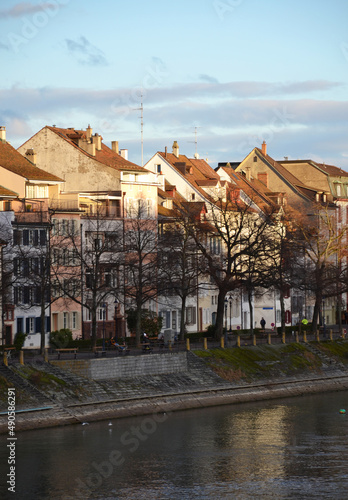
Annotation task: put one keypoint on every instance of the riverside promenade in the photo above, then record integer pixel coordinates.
(69, 391)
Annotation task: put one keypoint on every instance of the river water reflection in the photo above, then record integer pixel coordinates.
(284, 449)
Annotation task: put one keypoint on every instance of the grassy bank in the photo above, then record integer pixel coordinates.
(267, 361)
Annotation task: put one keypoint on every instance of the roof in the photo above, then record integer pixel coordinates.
(193, 170)
(13, 161)
(328, 169)
(7, 193)
(105, 155)
(302, 188)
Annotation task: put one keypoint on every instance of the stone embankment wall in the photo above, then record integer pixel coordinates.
(127, 367)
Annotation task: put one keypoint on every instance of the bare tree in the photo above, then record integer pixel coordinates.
(181, 265)
(230, 237)
(321, 240)
(140, 259)
(86, 261)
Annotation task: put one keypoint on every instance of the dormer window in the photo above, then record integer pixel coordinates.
(193, 196)
(338, 189)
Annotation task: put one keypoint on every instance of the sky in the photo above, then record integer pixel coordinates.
(218, 76)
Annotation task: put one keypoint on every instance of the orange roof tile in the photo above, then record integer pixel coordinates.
(106, 155)
(12, 160)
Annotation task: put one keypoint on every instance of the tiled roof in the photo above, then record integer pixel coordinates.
(6, 193)
(302, 188)
(106, 155)
(332, 170)
(13, 161)
(194, 170)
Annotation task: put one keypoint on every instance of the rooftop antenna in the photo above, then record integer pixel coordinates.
(195, 141)
(141, 109)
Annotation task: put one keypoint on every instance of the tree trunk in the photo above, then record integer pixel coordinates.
(43, 325)
(282, 312)
(138, 331)
(219, 328)
(94, 329)
(250, 296)
(182, 318)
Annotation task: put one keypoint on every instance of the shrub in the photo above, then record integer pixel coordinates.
(150, 322)
(19, 340)
(60, 338)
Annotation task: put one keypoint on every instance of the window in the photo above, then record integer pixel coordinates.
(65, 320)
(190, 315)
(74, 320)
(31, 325)
(7, 206)
(102, 313)
(255, 159)
(149, 208)
(158, 168)
(193, 196)
(338, 189)
(174, 320)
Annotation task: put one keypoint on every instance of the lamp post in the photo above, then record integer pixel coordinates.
(226, 302)
(104, 314)
(230, 301)
(116, 306)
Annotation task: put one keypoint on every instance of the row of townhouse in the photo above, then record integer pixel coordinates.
(60, 180)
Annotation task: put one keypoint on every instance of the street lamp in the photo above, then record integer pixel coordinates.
(230, 301)
(226, 302)
(104, 314)
(116, 307)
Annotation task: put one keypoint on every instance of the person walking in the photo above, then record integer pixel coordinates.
(263, 323)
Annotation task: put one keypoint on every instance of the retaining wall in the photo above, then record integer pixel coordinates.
(127, 367)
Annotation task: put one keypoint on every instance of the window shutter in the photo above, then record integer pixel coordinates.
(27, 325)
(26, 295)
(38, 324)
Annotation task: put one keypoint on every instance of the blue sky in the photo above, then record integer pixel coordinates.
(241, 71)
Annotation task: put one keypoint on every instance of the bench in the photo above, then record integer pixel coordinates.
(147, 347)
(67, 349)
(99, 349)
(122, 349)
(8, 351)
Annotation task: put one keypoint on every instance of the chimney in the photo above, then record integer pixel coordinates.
(165, 152)
(31, 156)
(175, 149)
(96, 139)
(264, 148)
(89, 131)
(124, 153)
(114, 147)
(3, 134)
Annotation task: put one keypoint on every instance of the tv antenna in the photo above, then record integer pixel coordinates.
(195, 142)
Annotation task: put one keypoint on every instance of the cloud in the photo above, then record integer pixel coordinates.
(24, 8)
(86, 53)
(229, 126)
(207, 78)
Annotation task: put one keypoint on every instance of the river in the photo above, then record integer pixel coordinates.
(294, 448)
